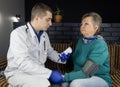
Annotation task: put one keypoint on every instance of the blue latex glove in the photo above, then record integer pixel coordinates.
(64, 57)
(56, 77)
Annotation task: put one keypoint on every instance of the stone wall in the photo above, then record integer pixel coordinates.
(69, 32)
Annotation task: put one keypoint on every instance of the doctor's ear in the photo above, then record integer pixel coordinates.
(36, 18)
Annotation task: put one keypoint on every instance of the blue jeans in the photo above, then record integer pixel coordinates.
(87, 82)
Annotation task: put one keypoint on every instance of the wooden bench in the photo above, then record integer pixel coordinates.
(3, 81)
(114, 51)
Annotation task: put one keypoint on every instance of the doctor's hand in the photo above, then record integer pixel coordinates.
(56, 77)
(64, 57)
(65, 54)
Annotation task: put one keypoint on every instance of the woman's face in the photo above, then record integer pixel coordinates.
(88, 28)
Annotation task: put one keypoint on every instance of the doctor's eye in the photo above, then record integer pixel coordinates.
(49, 19)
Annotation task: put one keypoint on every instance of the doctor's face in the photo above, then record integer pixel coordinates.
(44, 22)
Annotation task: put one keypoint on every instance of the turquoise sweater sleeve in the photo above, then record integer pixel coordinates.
(74, 75)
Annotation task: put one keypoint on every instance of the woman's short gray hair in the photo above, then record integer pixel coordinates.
(97, 19)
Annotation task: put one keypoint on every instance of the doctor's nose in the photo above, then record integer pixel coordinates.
(50, 23)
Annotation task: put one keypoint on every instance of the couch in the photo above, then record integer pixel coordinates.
(114, 50)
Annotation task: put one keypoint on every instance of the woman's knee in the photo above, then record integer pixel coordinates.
(74, 83)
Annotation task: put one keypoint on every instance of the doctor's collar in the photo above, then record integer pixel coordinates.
(38, 34)
(34, 29)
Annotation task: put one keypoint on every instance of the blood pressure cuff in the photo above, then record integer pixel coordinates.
(90, 68)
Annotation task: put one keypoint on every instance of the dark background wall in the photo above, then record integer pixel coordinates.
(74, 9)
(70, 32)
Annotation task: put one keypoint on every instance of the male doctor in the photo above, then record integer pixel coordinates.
(28, 51)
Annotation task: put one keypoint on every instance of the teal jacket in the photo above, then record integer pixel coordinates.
(96, 51)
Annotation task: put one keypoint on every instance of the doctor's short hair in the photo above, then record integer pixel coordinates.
(40, 9)
(97, 20)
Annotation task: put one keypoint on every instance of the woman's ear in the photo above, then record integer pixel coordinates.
(96, 27)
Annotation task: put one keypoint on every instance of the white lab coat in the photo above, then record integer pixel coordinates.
(27, 55)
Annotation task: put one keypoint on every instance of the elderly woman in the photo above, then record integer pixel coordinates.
(91, 57)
